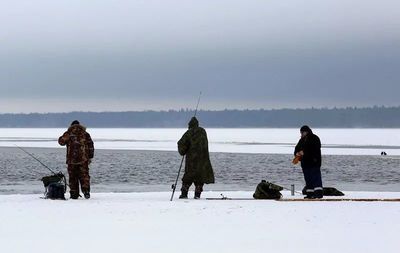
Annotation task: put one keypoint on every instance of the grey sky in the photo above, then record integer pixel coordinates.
(134, 55)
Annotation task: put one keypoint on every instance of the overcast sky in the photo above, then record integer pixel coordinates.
(116, 55)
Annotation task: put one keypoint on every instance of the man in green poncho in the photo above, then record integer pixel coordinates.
(198, 169)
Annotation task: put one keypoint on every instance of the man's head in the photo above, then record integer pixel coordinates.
(193, 123)
(75, 122)
(305, 130)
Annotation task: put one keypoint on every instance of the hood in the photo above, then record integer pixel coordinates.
(193, 123)
(306, 129)
(76, 127)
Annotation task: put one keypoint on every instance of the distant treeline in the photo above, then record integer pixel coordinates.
(373, 117)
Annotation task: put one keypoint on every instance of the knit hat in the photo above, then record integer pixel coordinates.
(75, 122)
(305, 129)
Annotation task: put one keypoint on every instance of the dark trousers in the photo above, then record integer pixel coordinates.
(78, 174)
(312, 176)
(186, 186)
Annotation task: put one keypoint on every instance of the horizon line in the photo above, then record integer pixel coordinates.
(214, 110)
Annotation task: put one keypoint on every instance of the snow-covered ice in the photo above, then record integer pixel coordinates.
(149, 222)
(259, 140)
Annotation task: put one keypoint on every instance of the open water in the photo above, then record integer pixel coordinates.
(135, 170)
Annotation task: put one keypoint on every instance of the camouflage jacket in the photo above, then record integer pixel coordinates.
(80, 148)
(194, 144)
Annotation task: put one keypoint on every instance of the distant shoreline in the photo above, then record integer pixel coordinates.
(335, 118)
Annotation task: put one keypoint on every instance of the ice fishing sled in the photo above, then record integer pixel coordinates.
(55, 186)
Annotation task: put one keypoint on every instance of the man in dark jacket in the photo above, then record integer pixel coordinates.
(309, 149)
(198, 169)
(80, 151)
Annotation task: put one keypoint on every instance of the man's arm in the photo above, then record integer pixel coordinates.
(63, 140)
(90, 145)
(299, 147)
(184, 143)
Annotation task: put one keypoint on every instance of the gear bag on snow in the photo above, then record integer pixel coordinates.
(267, 190)
(55, 186)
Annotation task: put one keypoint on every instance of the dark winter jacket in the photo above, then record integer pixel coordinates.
(80, 148)
(311, 146)
(194, 144)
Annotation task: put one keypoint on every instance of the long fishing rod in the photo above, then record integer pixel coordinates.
(183, 157)
(44, 165)
(197, 106)
(47, 167)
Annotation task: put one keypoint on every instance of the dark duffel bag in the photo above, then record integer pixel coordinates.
(55, 191)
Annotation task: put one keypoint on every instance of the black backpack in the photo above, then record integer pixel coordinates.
(55, 186)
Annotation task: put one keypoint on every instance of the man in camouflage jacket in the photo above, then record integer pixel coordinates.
(80, 151)
(198, 169)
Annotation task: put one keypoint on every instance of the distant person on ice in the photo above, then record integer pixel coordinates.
(80, 152)
(309, 151)
(198, 169)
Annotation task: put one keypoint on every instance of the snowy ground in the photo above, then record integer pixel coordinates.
(149, 222)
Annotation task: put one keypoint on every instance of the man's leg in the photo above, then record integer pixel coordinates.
(73, 173)
(185, 190)
(317, 182)
(84, 179)
(198, 190)
(309, 183)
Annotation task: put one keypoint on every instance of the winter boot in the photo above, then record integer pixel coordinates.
(184, 191)
(86, 195)
(74, 195)
(198, 190)
(309, 194)
(184, 195)
(318, 194)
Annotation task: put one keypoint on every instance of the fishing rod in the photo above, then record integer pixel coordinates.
(197, 106)
(44, 165)
(183, 157)
(60, 175)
